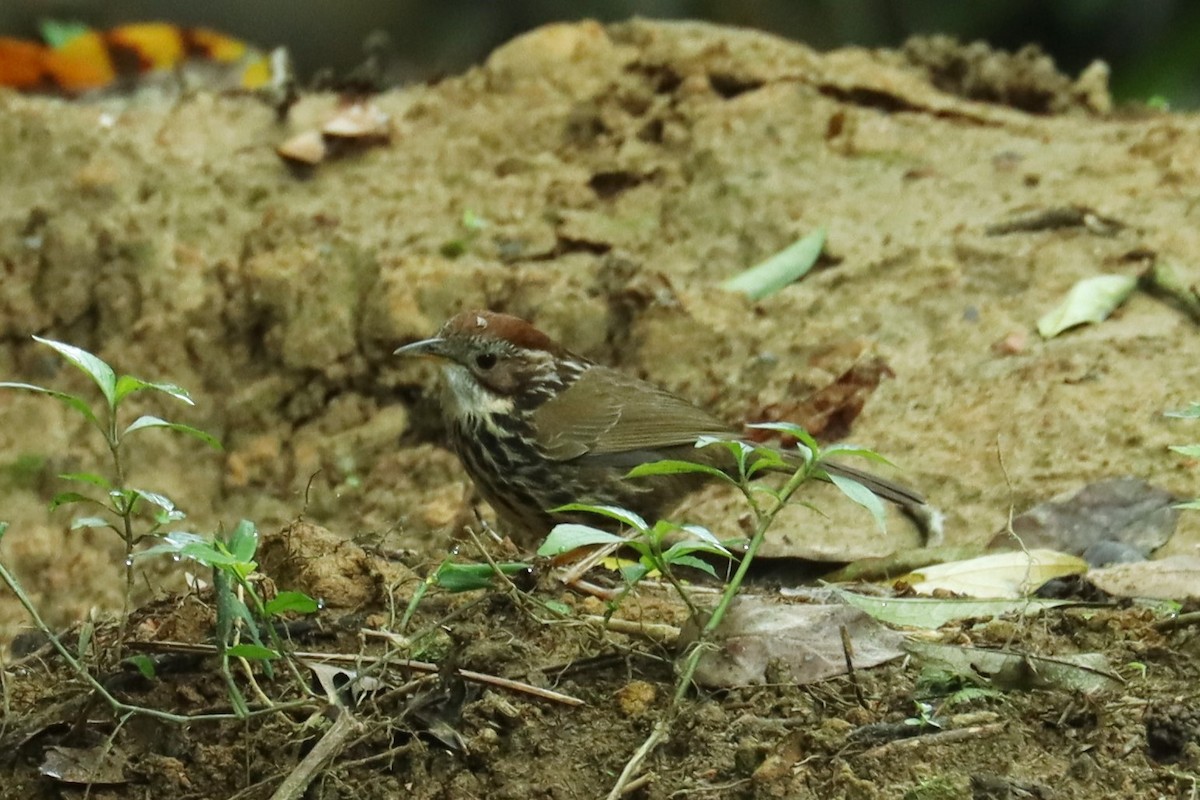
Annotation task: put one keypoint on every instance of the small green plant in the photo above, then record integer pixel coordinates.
(1188, 450)
(650, 542)
(660, 547)
(136, 515)
(124, 508)
(241, 605)
(764, 500)
(924, 718)
(470, 227)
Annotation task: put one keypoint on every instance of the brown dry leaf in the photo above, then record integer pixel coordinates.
(306, 148)
(340, 684)
(805, 638)
(999, 575)
(829, 412)
(1079, 672)
(1173, 578)
(360, 122)
(1126, 512)
(930, 613)
(99, 765)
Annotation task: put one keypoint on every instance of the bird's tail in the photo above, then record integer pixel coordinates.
(910, 501)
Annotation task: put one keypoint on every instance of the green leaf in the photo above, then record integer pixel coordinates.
(67, 498)
(633, 572)
(236, 609)
(702, 534)
(252, 652)
(781, 269)
(559, 607)
(87, 477)
(168, 517)
(675, 467)
(174, 543)
(863, 496)
(694, 563)
(181, 544)
(127, 385)
(736, 447)
(124, 501)
(621, 515)
(806, 445)
(69, 399)
(1191, 412)
(91, 366)
(154, 498)
(766, 458)
(1189, 450)
(569, 536)
(790, 429)
(86, 631)
(1188, 505)
(456, 578)
(854, 452)
(285, 602)
(680, 549)
(154, 422)
(1090, 300)
(90, 522)
(144, 664)
(243, 541)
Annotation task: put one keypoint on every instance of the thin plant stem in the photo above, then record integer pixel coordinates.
(118, 706)
(126, 513)
(763, 521)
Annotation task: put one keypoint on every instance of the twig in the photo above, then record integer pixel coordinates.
(638, 783)
(656, 737)
(1178, 621)
(941, 737)
(375, 758)
(296, 783)
(573, 575)
(118, 706)
(848, 654)
(425, 666)
(1160, 280)
(417, 666)
(654, 631)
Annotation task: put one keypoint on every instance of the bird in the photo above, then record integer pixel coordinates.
(538, 427)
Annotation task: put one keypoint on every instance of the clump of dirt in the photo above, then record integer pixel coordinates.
(601, 181)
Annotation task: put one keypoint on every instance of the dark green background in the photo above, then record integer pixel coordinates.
(1153, 46)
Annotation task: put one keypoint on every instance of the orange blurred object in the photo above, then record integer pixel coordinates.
(96, 59)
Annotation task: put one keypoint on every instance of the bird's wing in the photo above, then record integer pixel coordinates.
(607, 412)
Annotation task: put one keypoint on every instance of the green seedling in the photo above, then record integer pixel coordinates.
(242, 610)
(1187, 450)
(119, 507)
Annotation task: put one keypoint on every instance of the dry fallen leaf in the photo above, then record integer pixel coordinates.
(999, 575)
(1096, 520)
(1173, 578)
(805, 638)
(1090, 300)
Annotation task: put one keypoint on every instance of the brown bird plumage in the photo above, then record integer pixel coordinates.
(538, 427)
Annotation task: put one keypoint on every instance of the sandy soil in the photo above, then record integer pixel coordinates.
(620, 175)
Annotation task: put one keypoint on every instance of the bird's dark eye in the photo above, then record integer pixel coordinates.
(485, 360)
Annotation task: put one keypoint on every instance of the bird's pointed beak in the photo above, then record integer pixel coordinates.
(426, 348)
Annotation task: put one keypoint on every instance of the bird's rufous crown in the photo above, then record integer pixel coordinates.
(492, 325)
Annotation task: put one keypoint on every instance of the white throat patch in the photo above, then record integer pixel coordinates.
(471, 398)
